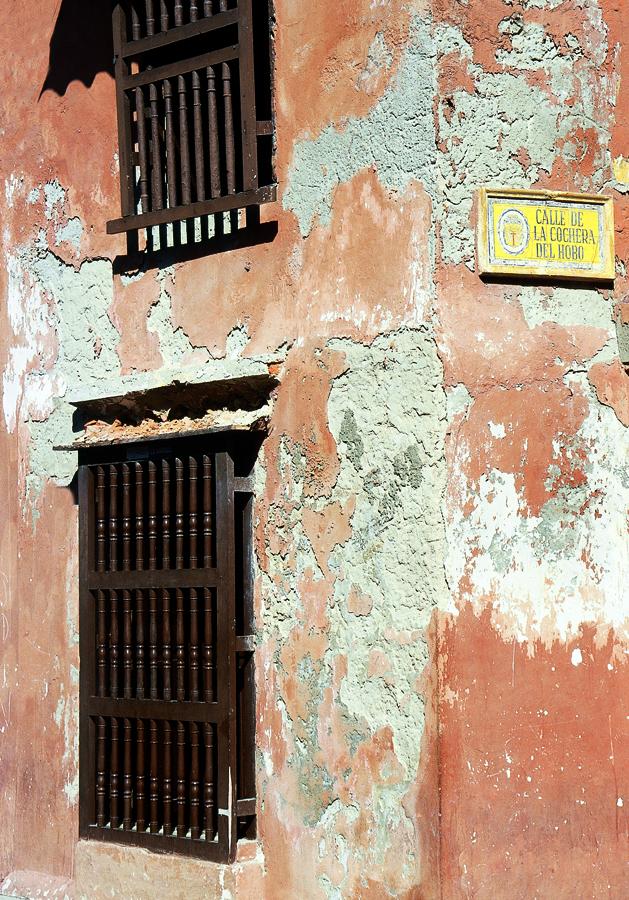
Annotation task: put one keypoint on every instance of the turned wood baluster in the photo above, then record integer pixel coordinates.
(127, 629)
(114, 646)
(140, 778)
(142, 149)
(101, 607)
(101, 775)
(114, 781)
(230, 152)
(193, 527)
(193, 648)
(181, 780)
(180, 654)
(139, 596)
(208, 790)
(163, 9)
(136, 32)
(153, 651)
(171, 152)
(154, 779)
(195, 788)
(165, 514)
(166, 637)
(152, 514)
(150, 18)
(168, 778)
(179, 517)
(152, 562)
(193, 644)
(166, 646)
(113, 518)
(180, 645)
(207, 511)
(127, 779)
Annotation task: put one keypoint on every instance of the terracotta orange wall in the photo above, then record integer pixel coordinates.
(441, 523)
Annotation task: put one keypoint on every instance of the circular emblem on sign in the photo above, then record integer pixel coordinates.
(513, 231)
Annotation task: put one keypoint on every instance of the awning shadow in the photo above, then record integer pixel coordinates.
(81, 45)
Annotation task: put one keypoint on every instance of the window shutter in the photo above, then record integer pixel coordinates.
(167, 708)
(190, 142)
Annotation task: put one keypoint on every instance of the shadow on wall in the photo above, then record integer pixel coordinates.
(81, 45)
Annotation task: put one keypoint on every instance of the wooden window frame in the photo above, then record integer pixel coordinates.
(136, 75)
(232, 713)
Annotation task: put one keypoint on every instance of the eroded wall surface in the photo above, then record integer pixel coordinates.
(441, 523)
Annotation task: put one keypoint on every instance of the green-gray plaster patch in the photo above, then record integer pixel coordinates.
(396, 138)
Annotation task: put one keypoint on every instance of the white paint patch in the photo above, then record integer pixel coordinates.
(577, 657)
(498, 431)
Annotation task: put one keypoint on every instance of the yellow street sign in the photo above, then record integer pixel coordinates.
(547, 234)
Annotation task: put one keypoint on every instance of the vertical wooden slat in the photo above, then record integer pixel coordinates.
(101, 775)
(247, 97)
(87, 725)
(193, 518)
(226, 639)
(154, 779)
(230, 152)
(150, 17)
(171, 162)
(166, 646)
(193, 645)
(167, 786)
(208, 788)
(178, 12)
(180, 647)
(114, 645)
(127, 646)
(127, 777)
(157, 175)
(113, 518)
(179, 514)
(140, 777)
(181, 780)
(136, 28)
(139, 516)
(153, 652)
(195, 790)
(194, 10)
(142, 150)
(214, 148)
(100, 513)
(140, 635)
(165, 514)
(207, 511)
(163, 8)
(199, 150)
(101, 650)
(126, 518)
(114, 778)
(127, 630)
(152, 514)
(184, 141)
(123, 105)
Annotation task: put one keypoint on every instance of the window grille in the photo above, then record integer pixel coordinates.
(167, 727)
(193, 86)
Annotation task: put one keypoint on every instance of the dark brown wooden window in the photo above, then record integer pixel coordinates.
(167, 703)
(193, 82)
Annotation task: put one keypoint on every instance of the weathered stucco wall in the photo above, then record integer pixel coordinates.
(441, 524)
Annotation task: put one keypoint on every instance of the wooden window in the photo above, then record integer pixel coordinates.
(167, 704)
(193, 83)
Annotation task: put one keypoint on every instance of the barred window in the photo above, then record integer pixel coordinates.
(167, 727)
(193, 85)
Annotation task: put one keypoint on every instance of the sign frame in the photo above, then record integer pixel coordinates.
(605, 271)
